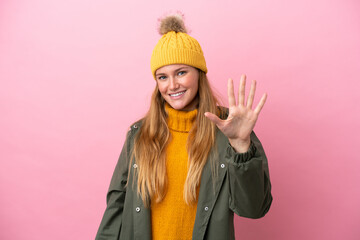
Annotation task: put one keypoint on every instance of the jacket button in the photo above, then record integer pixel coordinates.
(135, 126)
(135, 165)
(206, 209)
(222, 165)
(137, 209)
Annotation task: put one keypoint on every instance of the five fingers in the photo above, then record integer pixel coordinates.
(241, 96)
(241, 100)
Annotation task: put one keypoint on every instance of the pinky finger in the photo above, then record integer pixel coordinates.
(261, 104)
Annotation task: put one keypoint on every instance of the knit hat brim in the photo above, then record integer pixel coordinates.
(177, 56)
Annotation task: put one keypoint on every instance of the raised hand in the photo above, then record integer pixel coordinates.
(242, 118)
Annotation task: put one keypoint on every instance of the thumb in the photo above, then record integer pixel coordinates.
(212, 117)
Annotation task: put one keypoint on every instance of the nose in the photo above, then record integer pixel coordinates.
(173, 84)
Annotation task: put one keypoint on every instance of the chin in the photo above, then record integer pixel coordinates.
(177, 106)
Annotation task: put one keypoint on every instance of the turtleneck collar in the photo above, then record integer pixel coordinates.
(180, 121)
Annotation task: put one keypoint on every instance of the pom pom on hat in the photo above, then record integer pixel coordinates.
(172, 23)
(176, 46)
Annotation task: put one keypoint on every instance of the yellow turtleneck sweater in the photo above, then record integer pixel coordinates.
(173, 218)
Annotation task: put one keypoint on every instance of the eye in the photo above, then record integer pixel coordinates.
(162, 77)
(181, 73)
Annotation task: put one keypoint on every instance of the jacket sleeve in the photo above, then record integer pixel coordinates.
(111, 222)
(250, 187)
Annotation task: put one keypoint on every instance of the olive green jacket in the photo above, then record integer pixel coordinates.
(242, 186)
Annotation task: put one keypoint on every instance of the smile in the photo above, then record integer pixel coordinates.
(177, 94)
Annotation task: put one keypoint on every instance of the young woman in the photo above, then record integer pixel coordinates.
(189, 164)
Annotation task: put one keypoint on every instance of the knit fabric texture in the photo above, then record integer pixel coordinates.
(173, 218)
(177, 48)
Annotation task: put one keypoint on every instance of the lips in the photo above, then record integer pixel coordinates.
(177, 94)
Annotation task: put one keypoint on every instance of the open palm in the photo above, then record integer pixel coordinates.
(242, 118)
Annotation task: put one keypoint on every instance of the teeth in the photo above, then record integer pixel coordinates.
(177, 94)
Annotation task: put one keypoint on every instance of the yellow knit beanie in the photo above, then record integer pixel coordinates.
(176, 46)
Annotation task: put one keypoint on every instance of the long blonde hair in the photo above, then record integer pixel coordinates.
(154, 136)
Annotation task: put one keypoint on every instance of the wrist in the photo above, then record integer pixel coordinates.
(240, 146)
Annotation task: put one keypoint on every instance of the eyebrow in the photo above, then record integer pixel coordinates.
(174, 71)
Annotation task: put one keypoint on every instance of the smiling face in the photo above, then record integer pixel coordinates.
(178, 85)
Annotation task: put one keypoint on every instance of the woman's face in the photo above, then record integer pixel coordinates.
(178, 85)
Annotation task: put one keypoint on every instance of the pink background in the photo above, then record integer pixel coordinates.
(75, 74)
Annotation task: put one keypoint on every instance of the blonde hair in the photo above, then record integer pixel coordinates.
(153, 137)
